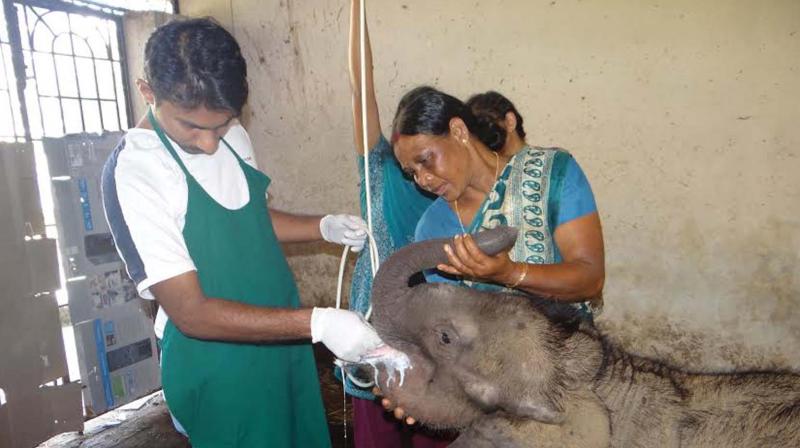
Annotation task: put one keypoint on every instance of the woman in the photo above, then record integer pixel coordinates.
(397, 205)
(542, 191)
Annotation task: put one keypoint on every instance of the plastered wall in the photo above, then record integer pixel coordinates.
(684, 115)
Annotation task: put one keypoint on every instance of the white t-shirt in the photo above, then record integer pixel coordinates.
(145, 196)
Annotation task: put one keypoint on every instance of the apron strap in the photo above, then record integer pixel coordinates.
(235, 154)
(163, 137)
(165, 141)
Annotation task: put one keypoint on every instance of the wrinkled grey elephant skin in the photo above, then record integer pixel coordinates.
(512, 371)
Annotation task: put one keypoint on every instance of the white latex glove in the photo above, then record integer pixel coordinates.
(348, 230)
(346, 334)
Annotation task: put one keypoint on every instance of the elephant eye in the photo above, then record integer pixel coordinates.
(444, 338)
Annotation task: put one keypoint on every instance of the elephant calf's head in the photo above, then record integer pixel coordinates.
(472, 352)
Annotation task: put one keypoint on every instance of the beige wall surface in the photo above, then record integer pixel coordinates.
(683, 114)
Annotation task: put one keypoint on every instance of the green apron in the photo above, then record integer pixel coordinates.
(231, 394)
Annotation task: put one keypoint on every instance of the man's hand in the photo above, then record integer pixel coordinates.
(348, 230)
(346, 334)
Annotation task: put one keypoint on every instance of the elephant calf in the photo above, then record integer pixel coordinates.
(511, 371)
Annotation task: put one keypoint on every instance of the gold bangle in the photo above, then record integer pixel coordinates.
(521, 276)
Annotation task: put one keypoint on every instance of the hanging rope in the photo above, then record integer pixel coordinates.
(372, 246)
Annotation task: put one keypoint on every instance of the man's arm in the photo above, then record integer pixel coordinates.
(349, 230)
(290, 228)
(204, 317)
(343, 332)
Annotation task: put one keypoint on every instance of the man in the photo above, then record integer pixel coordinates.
(188, 211)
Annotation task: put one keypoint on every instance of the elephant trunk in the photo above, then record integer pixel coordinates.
(391, 281)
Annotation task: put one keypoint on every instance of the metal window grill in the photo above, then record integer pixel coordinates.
(75, 70)
(62, 66)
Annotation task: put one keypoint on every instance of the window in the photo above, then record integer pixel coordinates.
(63, 70)
(74, 72)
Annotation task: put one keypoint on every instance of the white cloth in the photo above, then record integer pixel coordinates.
(152, 195)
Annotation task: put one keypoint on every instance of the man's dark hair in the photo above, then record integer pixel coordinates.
(195, 63)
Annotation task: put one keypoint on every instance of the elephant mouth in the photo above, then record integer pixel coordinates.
(393, 362)
(428, 393)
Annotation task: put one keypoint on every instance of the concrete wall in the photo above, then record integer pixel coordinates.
(683, 114)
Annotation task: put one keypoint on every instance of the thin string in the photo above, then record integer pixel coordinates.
(374, 257)
(344, 407)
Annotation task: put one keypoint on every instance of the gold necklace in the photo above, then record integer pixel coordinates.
(455, 201)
